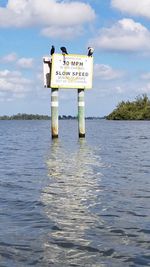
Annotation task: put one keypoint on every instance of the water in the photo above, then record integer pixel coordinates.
(71, 202)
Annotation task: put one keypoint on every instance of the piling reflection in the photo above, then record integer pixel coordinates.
(70, 199)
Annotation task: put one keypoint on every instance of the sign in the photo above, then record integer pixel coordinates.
(71, 71)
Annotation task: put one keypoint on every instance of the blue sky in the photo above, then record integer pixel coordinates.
(119, 31)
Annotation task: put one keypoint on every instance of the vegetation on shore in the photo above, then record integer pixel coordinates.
(24, 116)
(135, 110)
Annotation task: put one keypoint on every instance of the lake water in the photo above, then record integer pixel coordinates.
(72, 202)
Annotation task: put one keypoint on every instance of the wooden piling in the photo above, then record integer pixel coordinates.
(54, 112)
(81, 113)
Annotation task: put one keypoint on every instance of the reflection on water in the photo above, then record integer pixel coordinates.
(92, 209)
(70, 198)
(70, 203)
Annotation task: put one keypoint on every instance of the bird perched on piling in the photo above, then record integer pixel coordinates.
(90, 51)
(64, 50)
(52, 50)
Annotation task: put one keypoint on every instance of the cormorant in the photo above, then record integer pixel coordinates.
(90, 51)
(64, 50)
(52, 50)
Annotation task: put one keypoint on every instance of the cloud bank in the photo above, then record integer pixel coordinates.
(106, 72)
(133, 7)
(50, 15)
(23, 62)
(125, 35)
(26, 63)
(13, 84)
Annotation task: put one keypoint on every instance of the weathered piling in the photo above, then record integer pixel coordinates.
(54, 112)
(81, 113)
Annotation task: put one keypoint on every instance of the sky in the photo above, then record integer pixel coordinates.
(118, 30)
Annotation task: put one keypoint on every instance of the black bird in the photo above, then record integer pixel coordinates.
(90, 51)
(52, 50)
(64, 50)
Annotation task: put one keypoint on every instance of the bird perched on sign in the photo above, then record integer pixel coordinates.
(90, 51)
(52, 50)
(64, 50)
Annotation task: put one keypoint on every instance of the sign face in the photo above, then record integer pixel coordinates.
(71, 71)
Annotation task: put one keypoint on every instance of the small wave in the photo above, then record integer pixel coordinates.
(144, 231)
(136, 214)
(139, 260)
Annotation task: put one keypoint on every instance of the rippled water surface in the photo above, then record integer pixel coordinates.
(72, 202)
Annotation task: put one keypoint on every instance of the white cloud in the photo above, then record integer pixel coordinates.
(133, 7)
(105, 72)
(25, 63)
(51, 13)
(146, 76)
(9, 58)
(125, 35)
(13, 84)
(62, 32)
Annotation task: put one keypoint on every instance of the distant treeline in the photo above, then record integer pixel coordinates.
(24, 116)
(139, 109)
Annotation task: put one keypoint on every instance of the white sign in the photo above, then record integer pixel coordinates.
(71, 71)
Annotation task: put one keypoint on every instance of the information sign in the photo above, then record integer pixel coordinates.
(71, 71)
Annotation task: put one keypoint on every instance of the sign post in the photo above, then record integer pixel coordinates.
(81, 113)
(54, 112)
(70, 72)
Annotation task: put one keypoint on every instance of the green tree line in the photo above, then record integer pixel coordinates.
(23, 116)
(139, 109)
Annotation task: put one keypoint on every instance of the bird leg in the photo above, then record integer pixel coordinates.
(64, 59)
